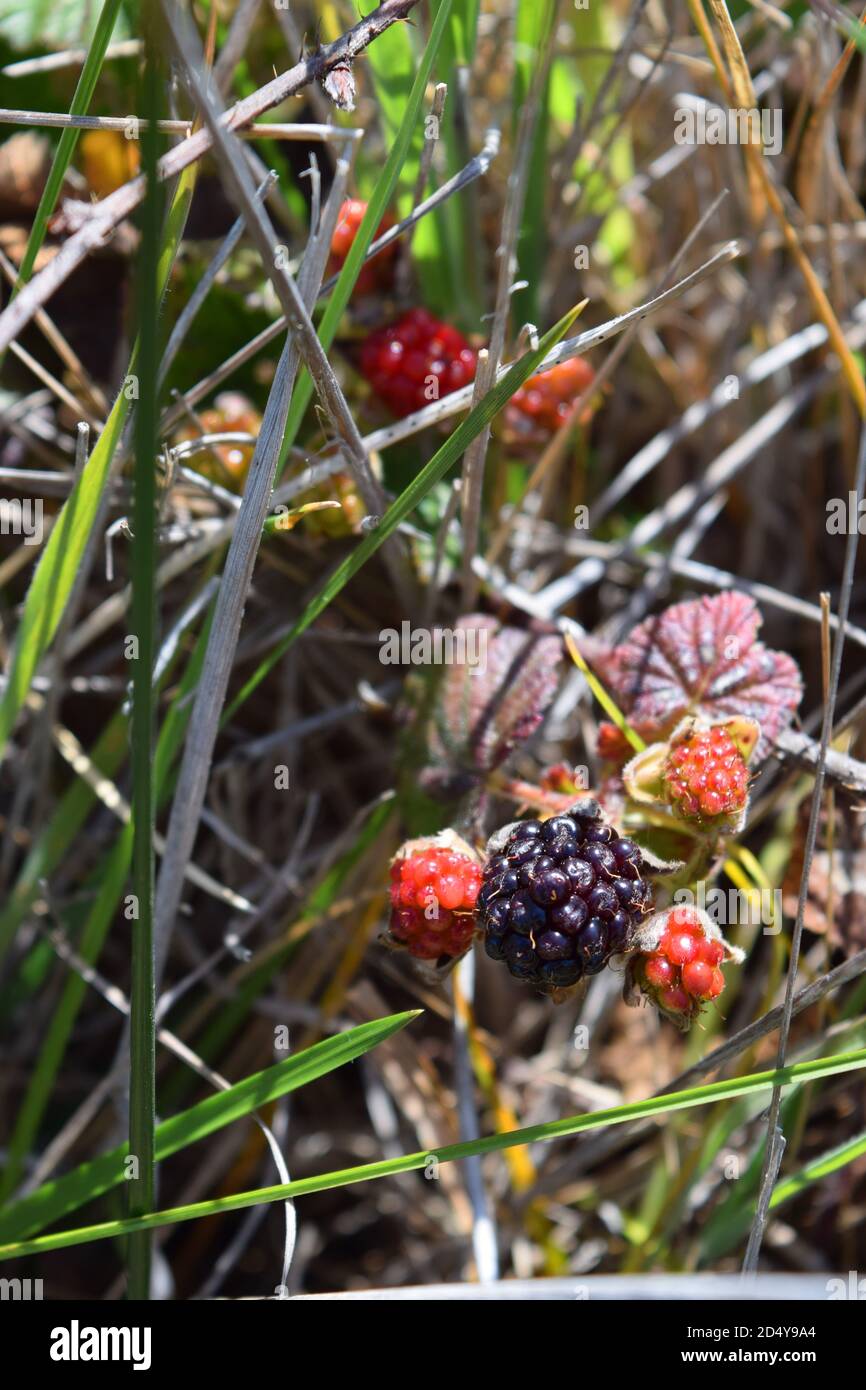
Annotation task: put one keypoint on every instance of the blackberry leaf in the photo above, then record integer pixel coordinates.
(701, 658)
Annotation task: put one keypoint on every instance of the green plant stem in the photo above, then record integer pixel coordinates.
(142, 1059)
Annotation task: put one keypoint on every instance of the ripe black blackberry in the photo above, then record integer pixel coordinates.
(560, 897)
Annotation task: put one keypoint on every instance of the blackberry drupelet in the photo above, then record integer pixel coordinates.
(561, 897)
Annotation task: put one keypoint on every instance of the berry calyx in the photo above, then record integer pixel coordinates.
(415, 361)
(705, 776)
(545, 401)
(374, 274)
(434, 888)
(560, 897)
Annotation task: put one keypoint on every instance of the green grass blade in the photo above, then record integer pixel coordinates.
(111, 877)
(493, 1143)
(608, 704)
(732, 1214)
(464, 31)
(55, 574)
(730, 1227)
(533, 25)
(58, 566)
(142, 994)
(391, 63)
(446, 248)
(819, 1168)
(454, 446)
(378, 201)
(597, 32)
(69, 137)
(55, 1199)
(53, 843)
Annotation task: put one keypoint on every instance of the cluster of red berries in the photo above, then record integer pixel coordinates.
(419, 359)
(705, 775)
(433, 894)
(374, 274)
(546, 400)
(556, 901)
(683, 972)
(416, 360)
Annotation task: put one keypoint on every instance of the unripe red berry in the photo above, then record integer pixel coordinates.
(660, 972)
(713, 952)
(705, 776)
(679, 946)
(374, 274)
(677, 962)
(434, 886)
(675, 1000)
(546, 400)
(416, 360)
